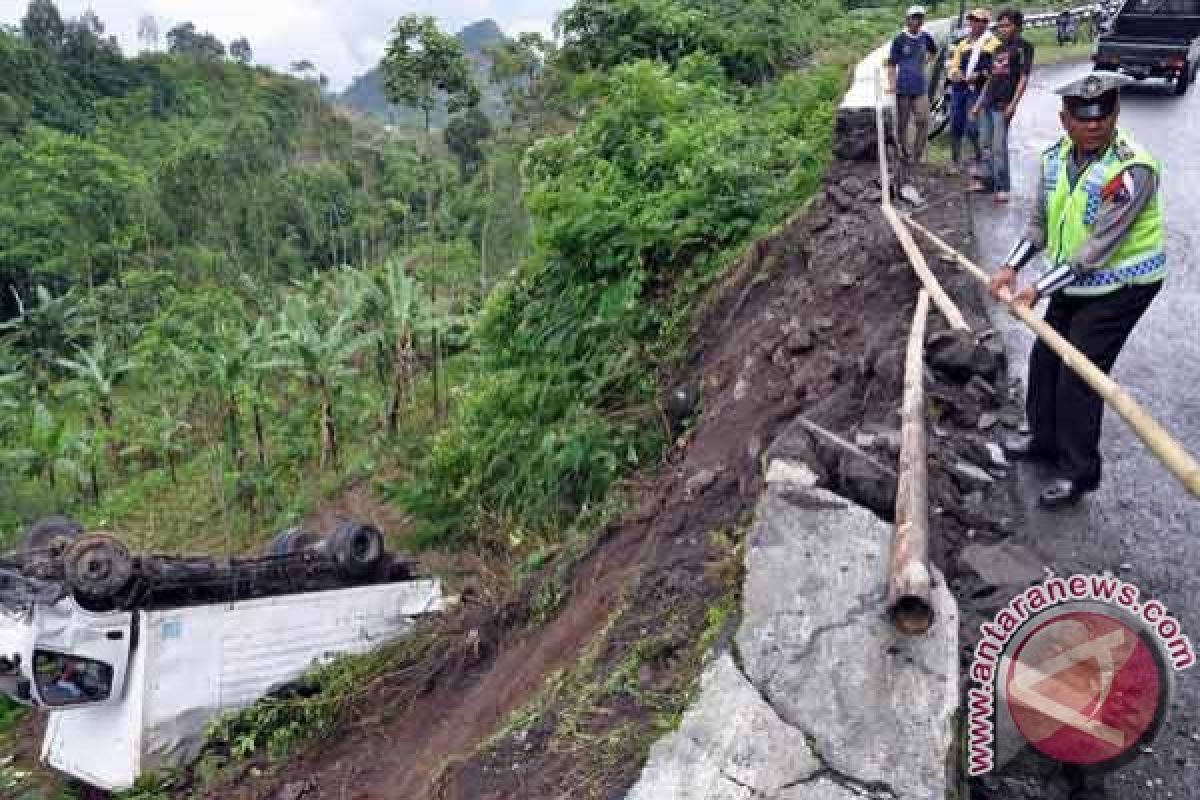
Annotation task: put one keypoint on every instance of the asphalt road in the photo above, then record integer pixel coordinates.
(1141, 524)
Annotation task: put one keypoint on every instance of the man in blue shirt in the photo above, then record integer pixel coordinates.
(911, 52)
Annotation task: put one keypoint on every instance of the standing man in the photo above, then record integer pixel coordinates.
(1099, 218)
(911, 51)
(1012, 62)
(970, 62)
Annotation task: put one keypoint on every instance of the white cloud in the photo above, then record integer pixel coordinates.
(344, 38)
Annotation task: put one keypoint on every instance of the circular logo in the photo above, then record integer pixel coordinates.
(1085, 686)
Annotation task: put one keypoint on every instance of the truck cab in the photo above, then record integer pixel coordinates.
(131, 671)
(1153, 39)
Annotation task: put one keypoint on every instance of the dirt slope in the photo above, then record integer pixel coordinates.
(812, 321)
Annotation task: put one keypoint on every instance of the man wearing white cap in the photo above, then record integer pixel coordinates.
(1099, 220)
(911, 52)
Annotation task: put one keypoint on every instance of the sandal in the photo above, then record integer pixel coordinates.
(976, 186)
(1001, 197)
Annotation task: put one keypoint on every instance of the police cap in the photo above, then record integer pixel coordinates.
(1093, 96)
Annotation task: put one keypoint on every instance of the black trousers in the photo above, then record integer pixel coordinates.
(1064, 412)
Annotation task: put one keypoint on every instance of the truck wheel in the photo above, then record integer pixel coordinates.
(291, 541)
(1183, 82)
(51, 534)
(98, 566)
(357, 549)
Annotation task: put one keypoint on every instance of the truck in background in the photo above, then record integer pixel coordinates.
(133, 657)
(1153, 39)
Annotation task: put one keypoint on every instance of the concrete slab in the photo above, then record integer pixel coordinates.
(824, 700)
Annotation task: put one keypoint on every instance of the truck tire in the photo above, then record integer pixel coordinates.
(1182, 82)
(357, 550)
(98, 567)
(51, 534)
(291, 541)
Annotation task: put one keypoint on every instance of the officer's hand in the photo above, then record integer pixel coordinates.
(1026, 298)
(975, 111)
(1004, 280)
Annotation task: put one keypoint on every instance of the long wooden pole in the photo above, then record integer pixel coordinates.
(1161, 443)
(909, 594)
(942, 300)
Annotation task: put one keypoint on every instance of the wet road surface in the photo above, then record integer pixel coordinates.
(1142, 524)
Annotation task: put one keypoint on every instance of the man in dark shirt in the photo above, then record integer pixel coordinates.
(1012, 63)
(911, 51)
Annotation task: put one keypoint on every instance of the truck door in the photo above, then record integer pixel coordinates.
(80, 659)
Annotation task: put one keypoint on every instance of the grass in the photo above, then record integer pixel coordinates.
(1048, 52)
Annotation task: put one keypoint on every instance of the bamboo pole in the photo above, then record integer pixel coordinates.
(1164, 446)
(909, 597)
(942, 300)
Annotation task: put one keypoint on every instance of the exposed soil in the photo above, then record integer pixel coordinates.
(812, 321)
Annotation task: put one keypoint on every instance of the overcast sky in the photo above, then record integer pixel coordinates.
(344, 38)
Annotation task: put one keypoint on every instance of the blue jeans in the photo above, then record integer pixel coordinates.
(962, 97)
(993, 128)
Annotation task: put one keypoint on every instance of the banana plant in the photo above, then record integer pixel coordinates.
(93, 376)
(320, 350)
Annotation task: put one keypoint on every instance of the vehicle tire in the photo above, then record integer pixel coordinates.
(291, 541)
(98, 566)
(51, 534)
(357, 550)
(1182, 83)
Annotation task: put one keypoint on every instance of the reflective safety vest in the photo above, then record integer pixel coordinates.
(1071, 216)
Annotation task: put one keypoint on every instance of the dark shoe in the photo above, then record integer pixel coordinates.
(1023, 447)
(1062, 493)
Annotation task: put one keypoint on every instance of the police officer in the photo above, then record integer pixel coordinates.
(1098, 217)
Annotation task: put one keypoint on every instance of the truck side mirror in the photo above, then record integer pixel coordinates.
(65, 680)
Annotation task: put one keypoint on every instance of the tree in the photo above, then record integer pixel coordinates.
(43, 25)
(148, 33)
(183, 39)
(320, 351)
(464, 135)
(94, 375)
(240, 50)
(302, 67)
(423, 64)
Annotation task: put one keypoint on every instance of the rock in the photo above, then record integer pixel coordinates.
(910, 195)
(741, 389)
(681, 403)
(983, 391)
(853, 185)
(296, 790)
(968, 476)
(791, 473)
(996, 455)
(987, 421)
(800, 341)
(796, 445)
(1002, 565)
(957, 355)
(878, 706)
(701, 481)
(889, 366)
(781, 358)
(730, 741)
(868, 484)
(840, 200)
(846, 280)
(864, 440)
(823, 323)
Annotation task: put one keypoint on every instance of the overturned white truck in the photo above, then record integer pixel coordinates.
(132, 656)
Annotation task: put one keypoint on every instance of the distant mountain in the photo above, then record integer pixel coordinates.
(366, 95)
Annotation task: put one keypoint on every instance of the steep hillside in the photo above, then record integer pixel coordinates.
(366, 93)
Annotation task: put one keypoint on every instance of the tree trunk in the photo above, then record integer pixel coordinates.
(329, 441)
(233, 426)
(171, 468)
(400, 376)
(260, 436)
(483, 236)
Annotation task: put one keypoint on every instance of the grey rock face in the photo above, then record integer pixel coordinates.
(827, 701)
